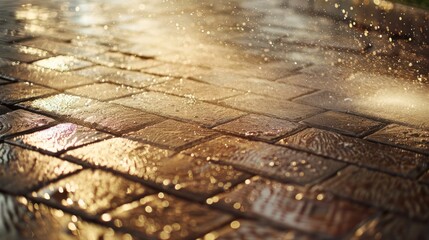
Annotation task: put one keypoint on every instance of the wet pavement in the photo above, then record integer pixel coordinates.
(209, 120)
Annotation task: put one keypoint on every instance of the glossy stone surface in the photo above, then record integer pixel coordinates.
(63, 63)
(22, 53)
(62, 48)
(357, 151)
(123, 61)
(59, 138)
(92, 191)
(193, 89)
(22, 170)
(164, 217)
(390, 226)
(24, 219)
(119, 154)
(259, 127)
(20, 121)
(18, 92)
(384, 191)
(115, 118)
(171, 134)
(272, 107)
(290, 205)
(183, 108)
(245, 229)
(271, 161)
(45, 77)
(404, 137)
(343, 123)
(103, 91)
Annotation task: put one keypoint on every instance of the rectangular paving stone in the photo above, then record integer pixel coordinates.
(19, 121)
(4, 62)
(29, 220)
(63, 48)
(129, 78)
(92, 192)
(344, 123)
(165, 217)
(177, 70)
(358, 151)
(389, 226)
(18, 92)
(246, 229)
(402, 136)
(44, 76)
(63, 63)
(171, 134)
(120, 154)
(176, 107)
(293, 206)
(253, 85)
(105, 116)
(103, 91)
(59, 138)
(381, 190)
(270, 71)
(259, 127)
(22, 53)
(268, 160)
(272, 107)
(23, 170)
(193, 89)
(119, 60)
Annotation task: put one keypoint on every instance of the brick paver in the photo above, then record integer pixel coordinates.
(246, 119)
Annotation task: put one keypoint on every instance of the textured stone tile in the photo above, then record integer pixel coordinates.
(395, 104)
(92, 191)
(59, 138)
(358, 151)
(384, 191)
(253, 85)
(193, 89)
(20, 121)
(259, 127)
(103, 91)
(389, 226)
(63, 48)
(44, 76)
(272, 107)
(165, 217)
(403, 136)
(119, 154)
(177, 70)
(183, 108)
(22, 170)
(171, 134)
(265, 159)
(22, 53)
(18, 92)
(245, 229)
(270, 71)
(24, 219)
(129, 78)
(101, 115)
(119, 60)
(343, 123)
(293, 206)
(63, 63)
(4, 62)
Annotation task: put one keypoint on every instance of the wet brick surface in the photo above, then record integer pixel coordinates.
(207, 120)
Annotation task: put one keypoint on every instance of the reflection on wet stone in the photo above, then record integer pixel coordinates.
(18, 92)
(103, 91)
(268, 160)
(164, 217)
(63, 63)
(384, 191)
(293, 206)
(22, 53)
(24, 219)
(59, 138)
(22, 170)
(20, 121)
(92, 191)
(357, 151)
